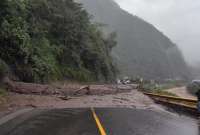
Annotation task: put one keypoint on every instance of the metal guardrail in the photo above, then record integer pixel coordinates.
(188, 103)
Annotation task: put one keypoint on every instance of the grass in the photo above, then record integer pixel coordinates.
(159, 89)
(164, 93)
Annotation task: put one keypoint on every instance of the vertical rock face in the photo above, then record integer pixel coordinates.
(142, 50)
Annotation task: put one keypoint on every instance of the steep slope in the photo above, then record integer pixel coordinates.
(47, 40)
(142, 50)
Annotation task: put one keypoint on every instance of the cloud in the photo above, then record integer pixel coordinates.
(178, 19)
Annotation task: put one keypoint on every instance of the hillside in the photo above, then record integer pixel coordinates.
(46, 40)
(142, 50)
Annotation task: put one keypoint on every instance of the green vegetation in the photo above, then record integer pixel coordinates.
(3, 73)
(169, 84)
(3, 95)
(44, 40)
(3, 69)
(158, 89)
(2, 92)
(165, 93)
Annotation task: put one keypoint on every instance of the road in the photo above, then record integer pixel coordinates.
(113, 121)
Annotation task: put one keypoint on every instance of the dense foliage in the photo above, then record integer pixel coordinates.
(42, 40)
(3, 70)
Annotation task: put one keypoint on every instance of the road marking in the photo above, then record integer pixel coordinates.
(99, 125)
(14, 115)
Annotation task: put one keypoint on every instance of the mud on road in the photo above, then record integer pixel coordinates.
(99, 96)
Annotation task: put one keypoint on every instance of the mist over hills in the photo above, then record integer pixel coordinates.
(195, 70)
(142, 50)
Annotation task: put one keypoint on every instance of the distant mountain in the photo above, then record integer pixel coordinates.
(142, 50)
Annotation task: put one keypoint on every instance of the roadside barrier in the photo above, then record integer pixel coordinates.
(186, 103)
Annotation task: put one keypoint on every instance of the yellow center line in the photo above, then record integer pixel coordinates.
(99, 125)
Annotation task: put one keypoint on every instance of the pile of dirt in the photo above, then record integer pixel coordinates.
(66, 90)
(133, 99)
(26, 95)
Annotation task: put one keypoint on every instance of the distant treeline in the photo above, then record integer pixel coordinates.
(44, 40)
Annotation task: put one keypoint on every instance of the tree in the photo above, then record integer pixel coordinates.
(43, 40)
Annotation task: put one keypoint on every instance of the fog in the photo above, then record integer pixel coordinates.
(178, 19)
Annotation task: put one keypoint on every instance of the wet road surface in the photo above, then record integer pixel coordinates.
(114, 121)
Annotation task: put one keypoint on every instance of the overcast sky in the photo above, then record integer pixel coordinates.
(178, 19)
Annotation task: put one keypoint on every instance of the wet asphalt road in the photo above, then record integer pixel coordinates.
(118, 121)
